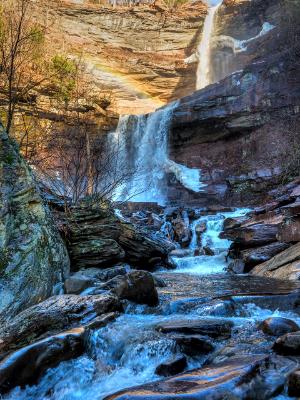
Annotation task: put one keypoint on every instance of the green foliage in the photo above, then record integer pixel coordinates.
(64, 75)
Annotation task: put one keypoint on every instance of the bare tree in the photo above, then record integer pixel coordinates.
(21, 42)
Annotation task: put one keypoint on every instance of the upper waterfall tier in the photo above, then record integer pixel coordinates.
(203, 51)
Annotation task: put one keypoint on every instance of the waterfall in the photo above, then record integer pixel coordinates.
(143, 160)
(203, 50)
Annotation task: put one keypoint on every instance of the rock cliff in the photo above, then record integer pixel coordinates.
(33, 258)
(240, 131)
(136, 53)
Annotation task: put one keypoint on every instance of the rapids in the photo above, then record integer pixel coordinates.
(127, 351)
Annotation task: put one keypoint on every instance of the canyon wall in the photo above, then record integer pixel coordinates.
(136, 53)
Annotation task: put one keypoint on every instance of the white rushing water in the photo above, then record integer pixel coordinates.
(127, 351)
(202, 264)
(203, 50)
(142, 161)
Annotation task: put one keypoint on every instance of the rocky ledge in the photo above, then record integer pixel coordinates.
(266, 241)
(245, 116)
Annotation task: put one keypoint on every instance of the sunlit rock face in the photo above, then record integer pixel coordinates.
(33, 258)
(137, 53)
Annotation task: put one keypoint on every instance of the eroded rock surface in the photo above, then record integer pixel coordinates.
(25, 366)
(33, 258)
(98, 238)
(54, 315)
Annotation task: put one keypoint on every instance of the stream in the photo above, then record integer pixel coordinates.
(127, 351)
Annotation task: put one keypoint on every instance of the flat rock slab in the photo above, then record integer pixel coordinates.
(184, 287)
(216, 328)
(212, 382)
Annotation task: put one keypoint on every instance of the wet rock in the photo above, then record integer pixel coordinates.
(219, 381)
(98, 238)
(159, 282)
(182, 230)
(193, 345)
(293, 384)
(136, 286)
(101, 320)
(33, 258)
(96, 253)
(200, 289)
(254, 235)
(54, 315)
(289, 230)
(231, 223)
(180, 253)
(288, 344)
(91, 277)
(285, 265)
(222, 308)
(216, 328)
(200, 228)
(77, 284)
(171, 367)
(156, 221)
(277, 326)
(103, 275)
(254, 256)
(25, 366)
(208, 251)
(142, 251)
(237, 266)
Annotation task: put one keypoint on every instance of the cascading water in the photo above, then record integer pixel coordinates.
(203, 50)
(202, 264)
(141, 143)
(126, 352)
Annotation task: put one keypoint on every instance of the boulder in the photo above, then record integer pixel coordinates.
(215, 328)
(76, 284)
(181, 253)
(25, 366)
(236, 266)
(182, 230)
(277, 326)
(285, 265)
(231, 223)
(33, 258)
(288, 344)
(289, 230)
(54, 315)
(91, 277)
(171, 367)
(254, 256)
(200, 228)
(98, 238)
(193, 345)
(136, 286)
(103, 275)
(293, 384)
(96, 253)
(141, 250)
(254, 235)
